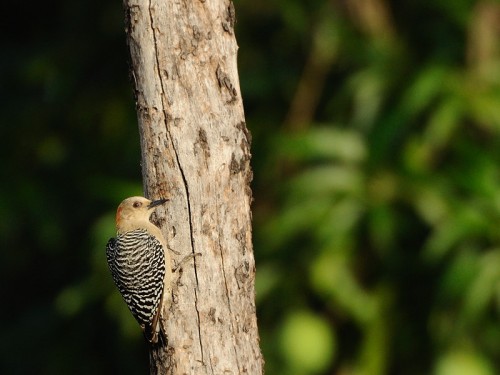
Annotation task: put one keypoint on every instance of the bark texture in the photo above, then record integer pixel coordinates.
(196, 151)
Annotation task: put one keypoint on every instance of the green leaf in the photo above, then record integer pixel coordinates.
(328, 143)
(463, 362)
(308, 342)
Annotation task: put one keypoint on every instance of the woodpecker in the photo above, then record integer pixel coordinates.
(140, 264)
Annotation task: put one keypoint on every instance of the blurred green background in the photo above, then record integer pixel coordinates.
(376, 146)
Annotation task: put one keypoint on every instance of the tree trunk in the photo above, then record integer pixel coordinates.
(195, 151)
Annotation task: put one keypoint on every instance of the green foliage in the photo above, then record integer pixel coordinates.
(376, 128)
(307, 343)
(381, 212)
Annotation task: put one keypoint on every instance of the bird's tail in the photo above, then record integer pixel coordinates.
(155, 334)
(162, 336)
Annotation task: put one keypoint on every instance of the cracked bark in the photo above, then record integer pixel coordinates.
(195, 151)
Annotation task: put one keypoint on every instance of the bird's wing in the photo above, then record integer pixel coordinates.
(137, 263)
(111, 251)
(152, 330)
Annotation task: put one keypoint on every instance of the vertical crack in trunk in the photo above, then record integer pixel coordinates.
(226, 287)
(184, 180)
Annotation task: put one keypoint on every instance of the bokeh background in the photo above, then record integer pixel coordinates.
(376, 153)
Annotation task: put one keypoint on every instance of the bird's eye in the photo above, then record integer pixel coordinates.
(137, 204)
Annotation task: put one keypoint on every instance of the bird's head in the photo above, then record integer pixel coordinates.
(135, 210)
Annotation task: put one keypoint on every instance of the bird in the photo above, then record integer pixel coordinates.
(140, 264)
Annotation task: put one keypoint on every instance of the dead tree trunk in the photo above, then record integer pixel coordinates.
(195, 150)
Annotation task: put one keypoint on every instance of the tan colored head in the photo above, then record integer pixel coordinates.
(134, 213)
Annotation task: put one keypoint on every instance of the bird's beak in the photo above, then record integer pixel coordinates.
(158, 202)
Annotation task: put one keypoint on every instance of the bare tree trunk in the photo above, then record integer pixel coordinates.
(195, 150)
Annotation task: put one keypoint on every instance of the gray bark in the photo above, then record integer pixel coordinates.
(196, 151)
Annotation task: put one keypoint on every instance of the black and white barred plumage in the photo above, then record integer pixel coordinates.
(137, 263)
